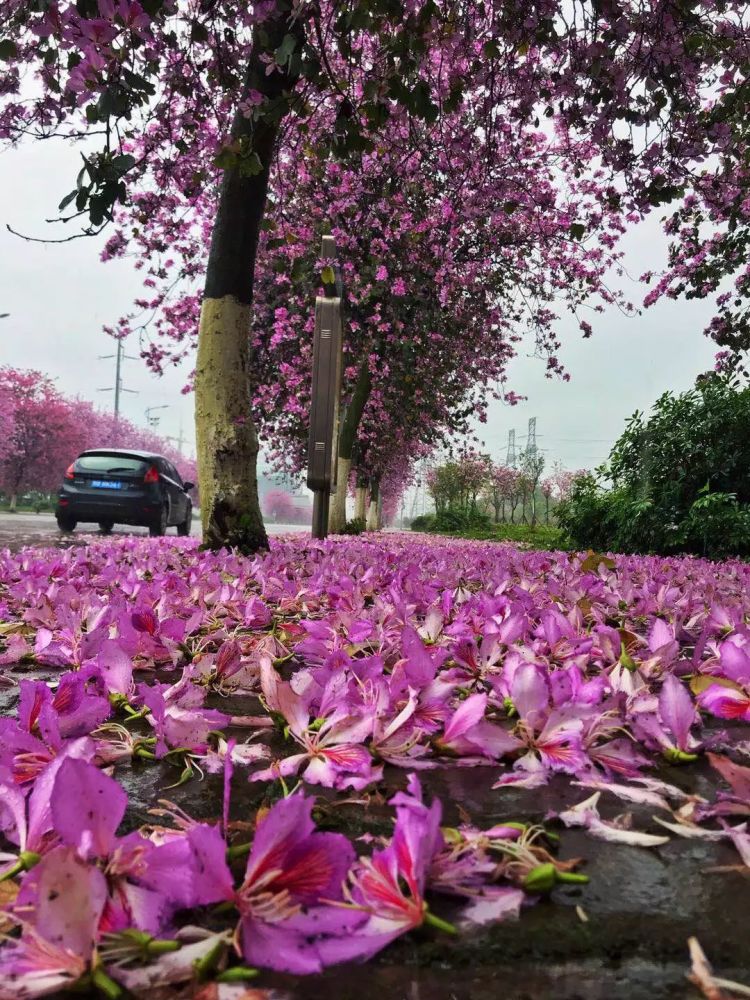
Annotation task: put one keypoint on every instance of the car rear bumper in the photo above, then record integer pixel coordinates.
(140, 509)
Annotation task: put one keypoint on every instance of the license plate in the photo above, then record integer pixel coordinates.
(106, 484)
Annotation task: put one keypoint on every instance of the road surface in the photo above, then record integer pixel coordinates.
(17, 530)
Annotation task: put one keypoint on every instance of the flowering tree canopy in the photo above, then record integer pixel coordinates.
(279, 505)
(193, 112)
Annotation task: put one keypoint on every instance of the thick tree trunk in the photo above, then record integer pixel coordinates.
(227, 443)
(337, 510)
(13, 502)
(380, 512)
(360, 503)
(372, 513)
(348, 428)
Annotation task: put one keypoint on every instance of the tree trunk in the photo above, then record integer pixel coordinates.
(13, 502)
(372, 513)
(337, 510)
(348, 428)
(360, 502)
(226, 441)
(379, 510)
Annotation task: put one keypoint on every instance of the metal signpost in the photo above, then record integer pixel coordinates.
(326, 393)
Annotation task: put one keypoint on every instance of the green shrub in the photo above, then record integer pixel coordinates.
(423, 522)
(680, 479)
(460, 519)
(618, 520)
(354, 527)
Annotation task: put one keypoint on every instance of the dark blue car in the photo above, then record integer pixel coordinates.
(111, 486)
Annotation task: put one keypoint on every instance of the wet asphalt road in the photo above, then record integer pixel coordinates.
(17, 530)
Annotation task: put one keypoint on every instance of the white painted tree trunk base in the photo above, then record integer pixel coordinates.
(360, 503)
(337, 510)
(372, 516)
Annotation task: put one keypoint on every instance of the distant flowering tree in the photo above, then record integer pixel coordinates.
(7, 407)
(279, 506)
(458, 483)
(501, 486)
(43, 433)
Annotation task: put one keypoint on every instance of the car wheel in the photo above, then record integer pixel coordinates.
(184, 529)
(159, 528)
(106, 527)
(66, 524)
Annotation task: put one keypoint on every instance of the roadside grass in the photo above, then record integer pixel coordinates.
(542, 536)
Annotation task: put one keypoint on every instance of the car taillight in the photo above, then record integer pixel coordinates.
(152, 476)
(70, 471)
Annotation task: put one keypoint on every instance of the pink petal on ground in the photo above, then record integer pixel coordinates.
(529, 693)
(497, 904)
(87, 807)
(641, 796)
(676, 710)
(468, 714)
(70, 897)
(734, 774)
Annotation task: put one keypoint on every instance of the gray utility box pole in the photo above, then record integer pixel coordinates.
(326, 393)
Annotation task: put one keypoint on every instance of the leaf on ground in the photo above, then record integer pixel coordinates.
(8, 892)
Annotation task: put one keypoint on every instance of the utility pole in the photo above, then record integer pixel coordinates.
(119, 357)
(154, 421)
(326, 392)
(510, 459)
(180, 440)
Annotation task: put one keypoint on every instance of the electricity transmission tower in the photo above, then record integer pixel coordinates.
(531, 438)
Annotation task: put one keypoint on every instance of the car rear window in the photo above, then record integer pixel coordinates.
(107, 463)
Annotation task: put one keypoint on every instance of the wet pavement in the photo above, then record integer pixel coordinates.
(623, 936)
(17, 530)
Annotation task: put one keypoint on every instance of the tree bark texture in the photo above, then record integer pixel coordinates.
(372, 513)
(226, 439)
(348, 427)
(337, 511)
(360, 503)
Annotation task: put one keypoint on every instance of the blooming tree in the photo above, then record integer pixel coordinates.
(531, 467)
(279, 506)
(500, 488)
(188, 107)
(459, 482)
(44, 432)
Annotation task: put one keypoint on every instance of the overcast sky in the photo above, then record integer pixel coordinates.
(59, 296)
